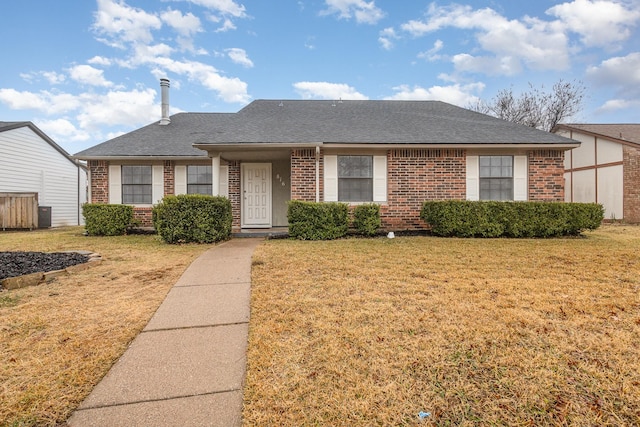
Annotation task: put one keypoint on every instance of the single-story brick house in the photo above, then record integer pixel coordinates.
(605, 168)
(395, 153)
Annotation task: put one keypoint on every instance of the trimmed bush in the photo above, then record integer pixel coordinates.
(366, 219)
(317, 221)
(463, 218)
(107, 220)
(193, 218)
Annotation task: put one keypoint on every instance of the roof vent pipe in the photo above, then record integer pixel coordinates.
(164, 92)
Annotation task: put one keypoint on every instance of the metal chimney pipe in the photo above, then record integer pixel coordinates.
(164, 89)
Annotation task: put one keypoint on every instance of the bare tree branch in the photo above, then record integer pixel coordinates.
(536, 107)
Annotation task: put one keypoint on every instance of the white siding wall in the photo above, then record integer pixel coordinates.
(30, 164)
(602, 185)
(610, 185)
(585, 155)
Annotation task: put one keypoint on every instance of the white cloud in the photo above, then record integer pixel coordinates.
(490, 65)
(432, 54)
(239, 56)
(225, 7)
(535, 43)
(599, 22)
(621, 72)
(46, 102)
(614, 105)
(228, 25)
(51, 77)
(186, 25)
(123, 108)
(386, 38)
(59, 129)
(460, 95)
(363, 11)
(88, 75)
(121, 23)
(325, 90)
(99, 60)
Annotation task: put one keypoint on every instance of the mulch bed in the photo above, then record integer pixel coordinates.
(14, 264)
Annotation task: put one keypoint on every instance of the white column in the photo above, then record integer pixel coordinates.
(215, 173)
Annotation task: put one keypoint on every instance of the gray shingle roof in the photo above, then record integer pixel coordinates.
(329, 122)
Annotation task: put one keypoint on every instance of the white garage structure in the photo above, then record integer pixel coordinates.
(32, 163)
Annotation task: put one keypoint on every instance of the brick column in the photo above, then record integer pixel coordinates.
(99, 178)
(546, 175)
(169, 178)
(303, 175)
(234, 193)
(631, 187)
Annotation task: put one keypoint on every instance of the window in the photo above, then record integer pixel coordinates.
(496, 178)
(136, 185)
(355, 178)
(199, 179)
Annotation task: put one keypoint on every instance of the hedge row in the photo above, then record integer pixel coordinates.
(326, 221)
(193, 218)
(107, 220)
(510, 219)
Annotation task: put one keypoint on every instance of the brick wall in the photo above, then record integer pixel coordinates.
(631, 184)
(546, 175)
(234, 193)
(303, 174)
(99, 176)
(169, 177)
(143, 215)
(416, 175)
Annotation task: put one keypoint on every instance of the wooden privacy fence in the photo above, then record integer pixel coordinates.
(18, 210)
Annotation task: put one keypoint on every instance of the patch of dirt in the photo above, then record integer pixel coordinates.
(14, 264)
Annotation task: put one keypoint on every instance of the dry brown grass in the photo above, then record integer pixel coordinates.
(477, 332)
(57, 340)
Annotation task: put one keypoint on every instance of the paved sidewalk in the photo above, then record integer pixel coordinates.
(187, 367)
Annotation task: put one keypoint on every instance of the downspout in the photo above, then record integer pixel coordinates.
(317, 173)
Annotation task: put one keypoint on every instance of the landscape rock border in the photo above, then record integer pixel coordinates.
(38, 278)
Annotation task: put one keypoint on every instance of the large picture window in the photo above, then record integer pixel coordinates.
(199, 179)
(496, 177)
(137, 185)
(355, 178)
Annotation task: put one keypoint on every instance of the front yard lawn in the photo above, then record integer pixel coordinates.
(57, 340)
(472, 331)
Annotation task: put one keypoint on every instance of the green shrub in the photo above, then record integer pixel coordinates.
(193, 218)
(366, 219)
(317, 221)
(463, 218)
(107, 220)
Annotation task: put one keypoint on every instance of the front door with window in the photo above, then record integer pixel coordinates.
(256, 195)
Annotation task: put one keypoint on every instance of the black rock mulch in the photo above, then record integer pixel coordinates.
(13, 264)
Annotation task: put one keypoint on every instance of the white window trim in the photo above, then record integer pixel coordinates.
(181, 180)
(379, 179)
(115, 185)
(520, 178)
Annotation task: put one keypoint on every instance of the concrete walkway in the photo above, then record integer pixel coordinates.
(187, 367)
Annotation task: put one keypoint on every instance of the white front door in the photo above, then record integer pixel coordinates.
(256, 195)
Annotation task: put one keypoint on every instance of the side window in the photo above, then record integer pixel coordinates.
(137, 185)
(355, 178)
(496, 177)
(199, 179)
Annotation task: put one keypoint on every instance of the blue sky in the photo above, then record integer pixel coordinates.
(87, 71)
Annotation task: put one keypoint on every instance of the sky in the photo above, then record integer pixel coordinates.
(86, 71)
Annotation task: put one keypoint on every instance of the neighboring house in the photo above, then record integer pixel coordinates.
(605, 168)
(395, 153)
(30, 162)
